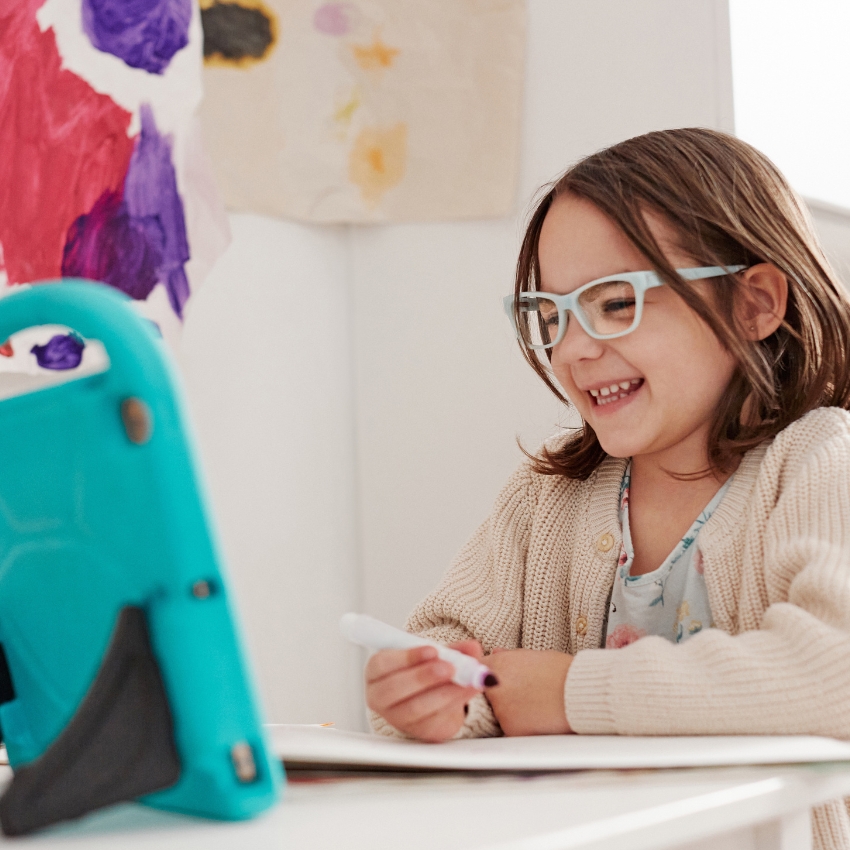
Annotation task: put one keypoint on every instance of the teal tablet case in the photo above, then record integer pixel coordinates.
(122, 673)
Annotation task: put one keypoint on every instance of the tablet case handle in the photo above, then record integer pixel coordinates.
(118, 746)
(179, 730)
(95, 311)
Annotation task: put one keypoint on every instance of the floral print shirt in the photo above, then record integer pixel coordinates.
(672, 601)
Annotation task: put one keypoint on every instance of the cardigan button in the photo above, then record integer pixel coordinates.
(605, 542)
(581, 626)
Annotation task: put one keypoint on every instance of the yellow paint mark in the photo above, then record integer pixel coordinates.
(376, 57)
(345, 112)
(378, 161)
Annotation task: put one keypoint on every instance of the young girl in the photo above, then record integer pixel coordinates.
(681, 564)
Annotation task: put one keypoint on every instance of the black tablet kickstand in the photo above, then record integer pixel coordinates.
(118, 746)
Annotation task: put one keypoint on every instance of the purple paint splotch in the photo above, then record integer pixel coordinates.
(333, 18)
(63, 351)
(108, 245)
(143, 33)
(152, 199)
(136, 239)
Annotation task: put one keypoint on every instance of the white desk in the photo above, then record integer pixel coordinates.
(746, 808)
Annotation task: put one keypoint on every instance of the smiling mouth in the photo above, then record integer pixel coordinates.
(615, 392)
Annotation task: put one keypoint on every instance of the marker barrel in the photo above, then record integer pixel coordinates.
(373, 634)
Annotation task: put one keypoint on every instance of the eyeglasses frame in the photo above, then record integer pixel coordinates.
(641, 281)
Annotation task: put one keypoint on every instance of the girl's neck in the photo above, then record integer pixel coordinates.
(663, 505)
(686, 463)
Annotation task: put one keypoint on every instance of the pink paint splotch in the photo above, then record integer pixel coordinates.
(62, 145)
(333, 18)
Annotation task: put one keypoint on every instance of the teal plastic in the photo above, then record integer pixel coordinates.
(91, 522)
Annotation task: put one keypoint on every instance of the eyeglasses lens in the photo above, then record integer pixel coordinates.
(538, 321)
(610, 307)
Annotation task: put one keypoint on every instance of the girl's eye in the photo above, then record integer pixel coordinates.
(619, 305)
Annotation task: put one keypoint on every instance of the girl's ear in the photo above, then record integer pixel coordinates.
(763, 299)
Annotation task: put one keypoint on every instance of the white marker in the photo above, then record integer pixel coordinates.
(373, 634)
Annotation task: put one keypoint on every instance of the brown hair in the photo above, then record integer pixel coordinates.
(729, 205)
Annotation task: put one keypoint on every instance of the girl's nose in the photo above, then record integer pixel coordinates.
(576, 345)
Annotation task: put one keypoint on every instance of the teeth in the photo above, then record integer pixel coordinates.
(611, 398)
(605, 395)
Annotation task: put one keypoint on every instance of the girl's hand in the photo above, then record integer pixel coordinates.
(413, 690)
(529, 699)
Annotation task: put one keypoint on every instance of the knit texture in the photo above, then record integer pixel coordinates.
(776, 555)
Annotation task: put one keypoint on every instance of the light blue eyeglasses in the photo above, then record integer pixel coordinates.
(606, 308)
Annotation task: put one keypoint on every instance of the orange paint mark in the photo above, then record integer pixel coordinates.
(376, 57)
(378, 161)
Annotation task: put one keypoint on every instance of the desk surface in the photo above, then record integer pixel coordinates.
(602, 810)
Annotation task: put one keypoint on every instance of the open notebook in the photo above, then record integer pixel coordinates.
(317, 748)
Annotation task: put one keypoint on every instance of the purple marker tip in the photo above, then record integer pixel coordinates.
(483, 678)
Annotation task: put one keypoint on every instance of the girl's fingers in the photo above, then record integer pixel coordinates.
(437, 728)
(388, 661)
(427, 713)
(469, 647)
(412, 690)
(403, 684)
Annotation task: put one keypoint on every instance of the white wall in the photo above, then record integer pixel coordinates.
(269, 388)
(833, 226)
(346, 472)
(792, 76)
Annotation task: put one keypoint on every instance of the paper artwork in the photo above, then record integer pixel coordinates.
(102, 174)
(364, 111)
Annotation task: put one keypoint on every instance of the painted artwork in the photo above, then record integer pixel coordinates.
(102, 172)
(364, 111)
(48, 354)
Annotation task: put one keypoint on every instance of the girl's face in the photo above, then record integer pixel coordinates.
(672, 368)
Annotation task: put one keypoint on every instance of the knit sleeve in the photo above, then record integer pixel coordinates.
(788, 675)
(480, 596)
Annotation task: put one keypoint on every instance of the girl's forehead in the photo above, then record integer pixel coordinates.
(578, 243)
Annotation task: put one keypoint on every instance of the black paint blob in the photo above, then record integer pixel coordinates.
(234, 33)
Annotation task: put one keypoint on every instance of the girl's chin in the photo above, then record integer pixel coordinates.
(623, 442)
(618, 448)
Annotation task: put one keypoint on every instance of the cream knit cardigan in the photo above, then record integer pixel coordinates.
(776, 554)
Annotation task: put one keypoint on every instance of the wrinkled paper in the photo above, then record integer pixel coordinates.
(367, 111)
